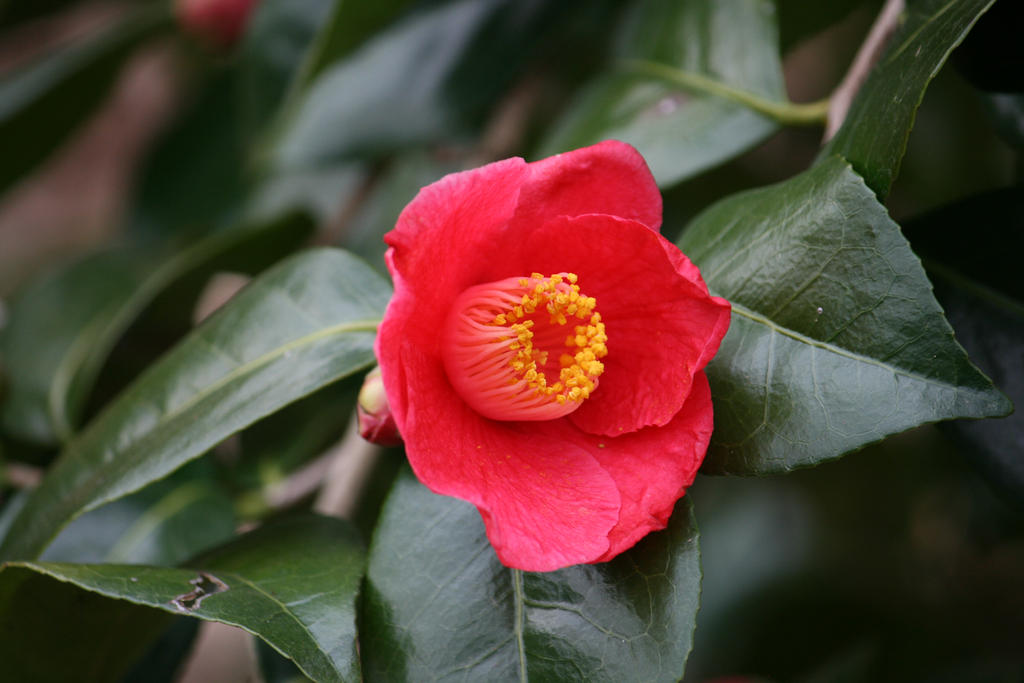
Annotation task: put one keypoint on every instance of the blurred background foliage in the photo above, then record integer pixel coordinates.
(138, 162)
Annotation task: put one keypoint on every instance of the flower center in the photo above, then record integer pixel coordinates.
(525, 348)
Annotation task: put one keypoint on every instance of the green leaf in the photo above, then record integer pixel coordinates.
(307, 322)
(54, 632)
(364, 235)
(874, 135)
(293, 584)
(195, 176)
(836, 340)
(42, 103)
(163, 524)
(63, 326)
(350, 24)
(682, 133)
(287, 46)
(277, 42)
(428, 77)
(438, 603)
(288, 43)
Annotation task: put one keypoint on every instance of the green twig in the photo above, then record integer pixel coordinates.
(786, 113)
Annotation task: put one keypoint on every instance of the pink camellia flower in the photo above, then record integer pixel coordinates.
(222, 22)
(543, 353)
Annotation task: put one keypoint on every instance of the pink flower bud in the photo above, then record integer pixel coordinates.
(219, 22)
(376, 423)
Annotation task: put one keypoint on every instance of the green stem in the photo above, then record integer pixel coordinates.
(786, 113)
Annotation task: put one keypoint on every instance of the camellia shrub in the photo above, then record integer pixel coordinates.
(422, 331)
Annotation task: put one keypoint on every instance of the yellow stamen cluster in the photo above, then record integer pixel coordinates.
(560, 297)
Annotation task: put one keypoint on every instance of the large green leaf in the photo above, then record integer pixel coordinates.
(63, 326)
(277, 42)
(874, 135)
(42, 103)
(364, 234)
(287, 45)
(63, 319)
(836, 340)
(163, 524)
(293, 584)
(195, 176)
(349, 25)
(430, 76)
(307, 322)
(682, 133)
(55, 632)
(439, 605)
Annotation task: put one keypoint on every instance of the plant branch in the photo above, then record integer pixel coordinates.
(351, 463)
(867, 56)
(785, 113)
(21, 476)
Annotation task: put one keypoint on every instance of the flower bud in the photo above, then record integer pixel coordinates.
(376, 423)
(219, 22)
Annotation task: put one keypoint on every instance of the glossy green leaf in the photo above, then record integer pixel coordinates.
(349, 25)
(278, 39)
(836, 340)
(293, 584)
(94, 640)
(322, 192)
(439, 605)
(307, 322)
(63, 326)
(42, 103)
(874, 135)
(288, 43)
(682, 133)
(430, 76)
(164, 524)
(195, 175)
(364, 234)
(63, 319)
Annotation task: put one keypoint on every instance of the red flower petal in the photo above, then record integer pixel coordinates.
(610, 177)
(447, 238)
(662, 325)
(546, 502)
(652, 467)
(667, 459)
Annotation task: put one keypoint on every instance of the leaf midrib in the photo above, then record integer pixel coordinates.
(745, 312)
(97, 475)
(241, 371)
(517, 625)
